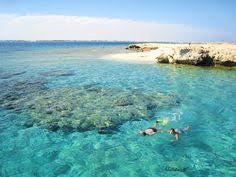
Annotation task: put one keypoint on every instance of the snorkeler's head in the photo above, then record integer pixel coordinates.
(172, 131)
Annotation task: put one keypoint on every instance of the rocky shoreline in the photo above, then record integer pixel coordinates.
(211, 54)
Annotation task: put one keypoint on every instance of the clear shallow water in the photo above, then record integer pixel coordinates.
(207, 103)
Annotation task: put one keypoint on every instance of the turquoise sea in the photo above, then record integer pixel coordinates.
(65, 111)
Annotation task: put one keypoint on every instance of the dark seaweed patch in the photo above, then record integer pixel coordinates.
(57, 73)
(8, 75)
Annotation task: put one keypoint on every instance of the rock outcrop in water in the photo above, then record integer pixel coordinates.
(192, 54)
(84, 108)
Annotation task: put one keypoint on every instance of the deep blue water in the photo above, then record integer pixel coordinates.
(207, 99)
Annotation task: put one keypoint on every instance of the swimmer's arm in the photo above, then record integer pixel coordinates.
(177, 137)
(186, 128)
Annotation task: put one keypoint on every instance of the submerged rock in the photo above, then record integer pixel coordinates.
(175, 167)
(85, 108)
(82, 110)
(58, 73)
(29, 124)
(124, 101)
(15, 95)
(8, 75)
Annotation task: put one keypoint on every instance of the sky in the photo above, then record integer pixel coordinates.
(123, 20)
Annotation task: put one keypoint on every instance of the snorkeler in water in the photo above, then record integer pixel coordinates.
(148, 132)
(151, 130)
(177, 132)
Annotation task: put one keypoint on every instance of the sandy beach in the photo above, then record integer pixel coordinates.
(133, 57)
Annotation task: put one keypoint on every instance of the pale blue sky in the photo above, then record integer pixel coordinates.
(211, 15)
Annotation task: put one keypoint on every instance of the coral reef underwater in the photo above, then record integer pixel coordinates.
(88, 107)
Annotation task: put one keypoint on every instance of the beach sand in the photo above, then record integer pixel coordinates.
(147, 57)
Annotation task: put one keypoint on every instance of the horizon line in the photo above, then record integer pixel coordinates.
(110, 41)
